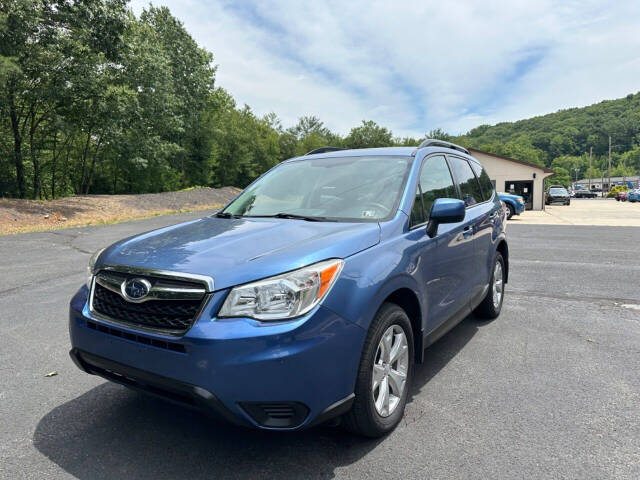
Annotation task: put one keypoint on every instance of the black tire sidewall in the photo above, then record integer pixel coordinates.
(388, 315)
(486, 309)
(511, 212)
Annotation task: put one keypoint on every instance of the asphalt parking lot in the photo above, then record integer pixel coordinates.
(551, 389)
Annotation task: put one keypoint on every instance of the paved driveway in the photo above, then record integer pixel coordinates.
(585, 211)
(549, 390)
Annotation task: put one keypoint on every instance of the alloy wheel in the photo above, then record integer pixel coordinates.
(390, 368)
(498, 285)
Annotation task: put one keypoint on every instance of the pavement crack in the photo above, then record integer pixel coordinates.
(40, 282)
(577, 298)
(69, 239)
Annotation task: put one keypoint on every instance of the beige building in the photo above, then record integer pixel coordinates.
(515, 176)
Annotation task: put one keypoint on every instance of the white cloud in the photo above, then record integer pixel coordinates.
(413, 66)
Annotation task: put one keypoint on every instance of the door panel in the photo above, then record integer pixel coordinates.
(487, 226)
(446, 262)
(478, 217)
(485, 218)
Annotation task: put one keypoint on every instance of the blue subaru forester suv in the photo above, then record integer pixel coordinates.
(309, 297)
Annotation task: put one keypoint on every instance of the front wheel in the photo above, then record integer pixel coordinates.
(384, 375)
(491, 305)
(510, 212)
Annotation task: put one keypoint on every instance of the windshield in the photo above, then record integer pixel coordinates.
(558, 191)
(353, 188)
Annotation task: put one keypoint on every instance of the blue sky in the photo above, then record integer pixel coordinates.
(414, 66)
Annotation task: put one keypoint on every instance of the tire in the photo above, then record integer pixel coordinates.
(510, 211)
(568, 202)
(364, 418)
(487, 308)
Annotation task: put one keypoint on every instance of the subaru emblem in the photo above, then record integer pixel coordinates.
(135, 289)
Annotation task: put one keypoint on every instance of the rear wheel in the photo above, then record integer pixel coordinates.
(510, 211)
(384, 375)
(491, 305)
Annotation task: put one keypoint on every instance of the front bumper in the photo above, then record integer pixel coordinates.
(287, 375)
(558, 199)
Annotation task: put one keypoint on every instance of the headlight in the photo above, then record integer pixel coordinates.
(520, 201)
(92, 263)
(284, 296)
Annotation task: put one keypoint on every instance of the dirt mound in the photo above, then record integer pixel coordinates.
(18, 216)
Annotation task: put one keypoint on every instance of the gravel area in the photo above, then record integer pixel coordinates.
(18, 216)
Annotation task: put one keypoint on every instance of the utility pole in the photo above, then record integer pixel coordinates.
(590, 173)
(609, 168)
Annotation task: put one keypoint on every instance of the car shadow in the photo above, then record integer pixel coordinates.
(112, 432)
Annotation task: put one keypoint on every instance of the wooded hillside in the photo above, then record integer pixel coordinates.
(96, 100)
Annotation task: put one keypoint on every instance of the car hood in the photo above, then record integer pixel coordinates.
(239, 250)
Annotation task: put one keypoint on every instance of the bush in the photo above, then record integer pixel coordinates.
(617, 189)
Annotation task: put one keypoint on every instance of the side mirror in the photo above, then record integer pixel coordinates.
(445, 210)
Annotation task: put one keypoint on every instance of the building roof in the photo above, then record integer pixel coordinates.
(629, 178)
(521, 162)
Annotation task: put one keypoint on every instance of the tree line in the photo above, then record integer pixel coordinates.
(94, 99)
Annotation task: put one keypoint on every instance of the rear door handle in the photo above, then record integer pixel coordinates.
(467, 232)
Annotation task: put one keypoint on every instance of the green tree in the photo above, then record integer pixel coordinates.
(369, 135)
(561, 177)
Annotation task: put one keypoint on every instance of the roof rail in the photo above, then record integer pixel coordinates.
(433, 142)
(324, 150)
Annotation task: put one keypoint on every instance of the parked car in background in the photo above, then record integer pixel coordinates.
(309, 297)
(621, 196)
(584, 193)
(634, 195)
(557, 194)
(514, 203)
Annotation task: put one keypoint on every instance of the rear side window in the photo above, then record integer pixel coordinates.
(469, 186)
(483, 178)
(435, 182)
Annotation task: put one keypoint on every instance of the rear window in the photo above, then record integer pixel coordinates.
(483, 178)
(469, 186)
(435, 182)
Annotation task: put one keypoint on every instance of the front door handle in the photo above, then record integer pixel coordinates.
(467, 232)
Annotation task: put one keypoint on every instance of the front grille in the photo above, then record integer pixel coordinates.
(173, 316)
(174, 347)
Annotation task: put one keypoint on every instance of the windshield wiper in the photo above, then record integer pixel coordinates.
(296, 217)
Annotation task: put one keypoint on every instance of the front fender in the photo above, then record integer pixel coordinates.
(367, 279)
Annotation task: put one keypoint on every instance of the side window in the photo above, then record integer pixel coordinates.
(435, 182)
(483, 177)
(417, 212)
(469, 186)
